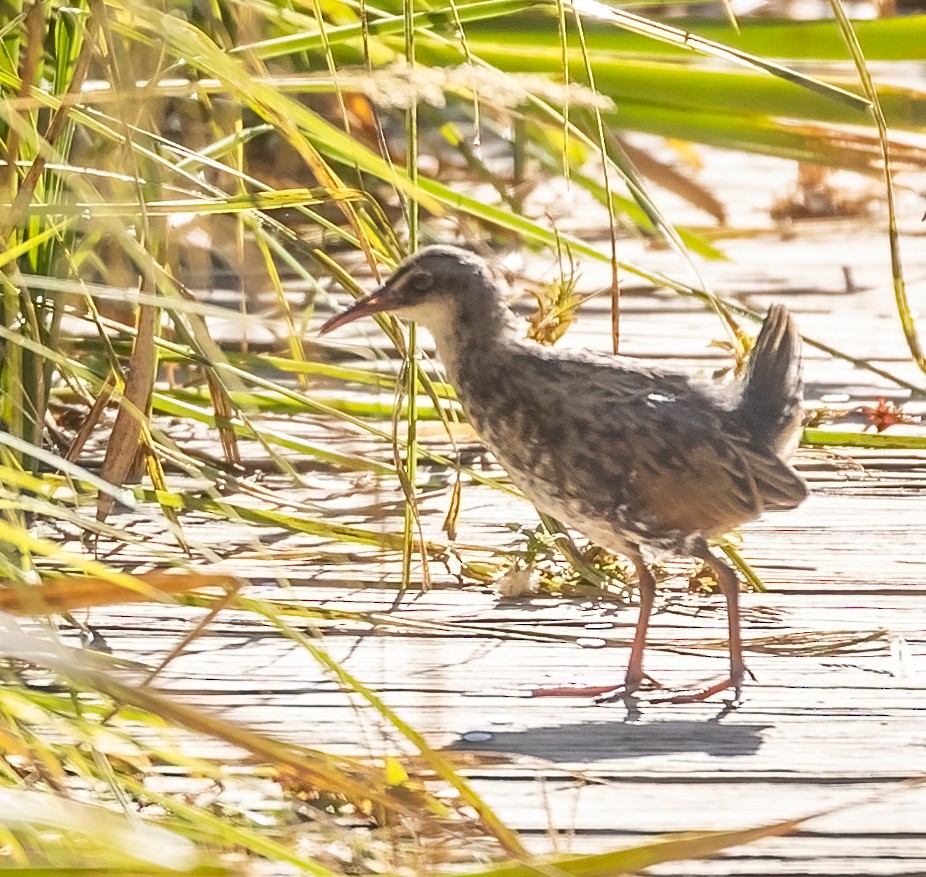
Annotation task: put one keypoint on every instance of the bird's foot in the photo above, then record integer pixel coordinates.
(628, 690)
(600, 693)
(734, 683)
(701, 694)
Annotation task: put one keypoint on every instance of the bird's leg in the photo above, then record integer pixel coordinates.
(634, 677)
(646, 584)
(730, 588)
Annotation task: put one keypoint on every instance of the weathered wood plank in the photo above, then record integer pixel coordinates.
(838, 645)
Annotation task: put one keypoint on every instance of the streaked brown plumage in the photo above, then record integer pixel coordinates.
(638, 459)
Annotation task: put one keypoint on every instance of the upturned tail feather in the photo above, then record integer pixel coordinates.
(770, 406)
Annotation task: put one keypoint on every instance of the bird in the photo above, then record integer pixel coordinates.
(645, 462)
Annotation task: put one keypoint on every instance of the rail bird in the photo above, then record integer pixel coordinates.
(641, 460)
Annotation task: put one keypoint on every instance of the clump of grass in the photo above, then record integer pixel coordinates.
(557, 303)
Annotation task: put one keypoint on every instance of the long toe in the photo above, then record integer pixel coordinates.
(701, 694)
(621, 693)
(630, 688)
(575, 690)
(601, 693)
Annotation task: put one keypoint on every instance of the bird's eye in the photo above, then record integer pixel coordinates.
(422, 282)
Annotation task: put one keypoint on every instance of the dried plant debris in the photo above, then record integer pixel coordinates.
(885, 413)
(557, 303)
(553, 572)
(879, 416)
(816, 197)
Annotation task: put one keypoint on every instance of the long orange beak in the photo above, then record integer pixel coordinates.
(374, 303)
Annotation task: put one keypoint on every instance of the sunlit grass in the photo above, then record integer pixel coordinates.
(144, 151)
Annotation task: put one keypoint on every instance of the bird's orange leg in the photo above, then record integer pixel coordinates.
(730, 588)
(635, 678)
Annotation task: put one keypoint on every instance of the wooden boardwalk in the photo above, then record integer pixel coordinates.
(837, 714)
(836, 717)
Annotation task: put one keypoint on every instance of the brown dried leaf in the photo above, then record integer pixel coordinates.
(68, 593)
(124, 440)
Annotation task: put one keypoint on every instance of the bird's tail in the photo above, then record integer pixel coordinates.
(770, 406)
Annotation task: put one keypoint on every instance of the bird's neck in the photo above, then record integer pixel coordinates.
(465, 339)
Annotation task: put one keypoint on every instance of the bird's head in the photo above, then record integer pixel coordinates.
(439, 287)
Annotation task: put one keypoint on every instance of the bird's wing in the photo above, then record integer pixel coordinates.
(661, 447)
(710, 482)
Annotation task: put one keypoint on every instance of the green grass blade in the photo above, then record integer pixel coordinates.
(900, 286)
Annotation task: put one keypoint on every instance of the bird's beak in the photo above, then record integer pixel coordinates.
(374, 303)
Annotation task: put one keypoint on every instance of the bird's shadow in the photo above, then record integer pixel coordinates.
(590, 741)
